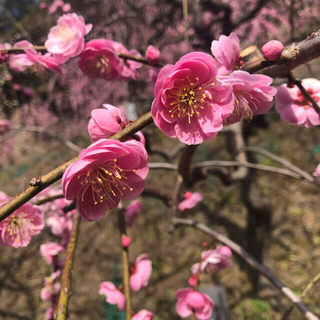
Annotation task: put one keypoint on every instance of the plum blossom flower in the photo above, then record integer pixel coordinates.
(141, 273)
(226, 51)
(272, 50)
(143, 315)
(212, 261)
(316, 174)
(252, 95)
(130, 66)
(107, 171)
(66, 7)
(126, 241)
(55, 6)
(19, 62)
(190, 102)
(294, 108)
(50, 250)
(22, 225)
(60, 225)
(99, 60)
(153, 55)
(3, 198)
(190, 301)
(66, 39)
(113, 295)
(49, 315)
(42, 5)
(51, 288)
(5, 127)
(105, 122)
(153, 75)
(3, 55)
(191, 200)
(132, 212)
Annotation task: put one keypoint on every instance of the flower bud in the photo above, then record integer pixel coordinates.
(272, 50)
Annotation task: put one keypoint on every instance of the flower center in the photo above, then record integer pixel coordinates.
(301, 99)
(101, 63)
(19, 227)
(187, 98)
(105, 182)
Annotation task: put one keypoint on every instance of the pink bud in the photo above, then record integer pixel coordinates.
(205, 244)
(193, 280)
(66, 8)
(126, 241)
(153, 55)
(42, 5)
(188, 195)
(272, 50)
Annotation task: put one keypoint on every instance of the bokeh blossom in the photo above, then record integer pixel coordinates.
(140, 273)
(252, 95)
(113, 295)
(50, 250)
(191, 199)
(107, 171)
(316, 173)
(190, 301)
(132, 212)
(190, 102)
(66, 39)
(295, 108)
(212, 261)
(226, 51)
(272, 50)
(51, 288)
(153, 55)
(22, 225)
(143, 315)
(3, 55)
(99, 60)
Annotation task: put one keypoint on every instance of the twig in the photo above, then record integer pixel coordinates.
(186, 27)
(66, 142)
(56, 174)
(252, 262)
(125, 261)
(163, 165)
(48, 199)
(62, 309)
(304, 91)
(302, 295)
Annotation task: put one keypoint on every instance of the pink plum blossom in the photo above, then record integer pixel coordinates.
(272, 50)
(252, 95)
(153, 75)
(49, 250)
(294, 108)
(226, 51)
(3, 55)
(190, 102)
(126, 241)
(143, 315)
(19, 62)
(191, 200)
(22, 225)
(153, 55)
(60, 225)
(141, 273)
(212, 261)
(190, 301)
(51, 288)
(66, 40)
(66, 7)
(132, 212)
(107, 171)
(113, 295)
(42, 5)
(3, 198)
(5, 127)
(105, 122)
(99, 60)
(316, 174)
(49, 315)
(130, 66)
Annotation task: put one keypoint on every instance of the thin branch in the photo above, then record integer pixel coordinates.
(38, 184)
(304, 92)
(252, 262)
(48, 199)
(66, 142)
(186, 27)
(62, 309)
(163, 165)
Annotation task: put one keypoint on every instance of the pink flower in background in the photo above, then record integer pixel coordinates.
(4, 56)
(105, 122)
(28, 93)
(49, 315)
(141, 273)
(316, 174)
(190, 301)
(42, 5)
(252, 95)
(272, 50)
(66, 40)
(133, 212)
(55, 6)
(294, 108)
(99, 60)
(191, 200)
(60, 226)
(22, 225)
(212, 261)
(226, 51)
(51, 288)
(49, 250)
(143, 315)
(126, 241)
(107, 171)
(153, 75)
(130, 66)
(66, 8)
(3, 198)
(190, 103)
(113, 295)
(5, 127)
(19, 62)
(153, 55)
